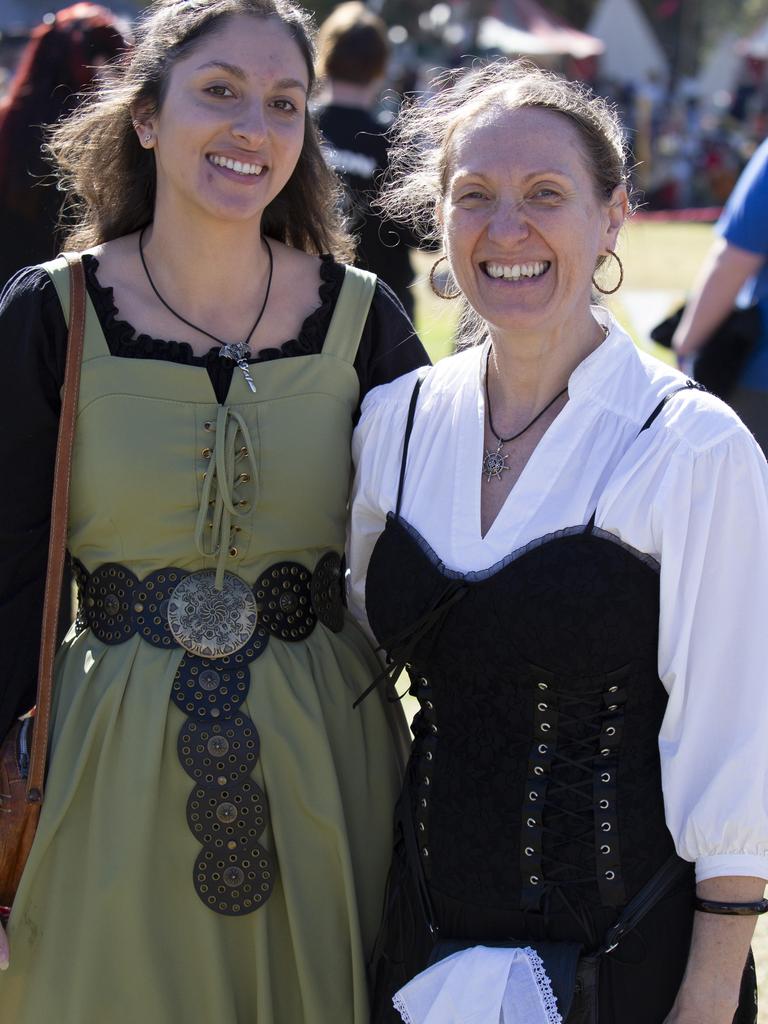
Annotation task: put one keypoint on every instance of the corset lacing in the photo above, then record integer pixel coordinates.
(569, 834)
(400, 648)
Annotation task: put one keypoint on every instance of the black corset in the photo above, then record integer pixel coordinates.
(534, 781)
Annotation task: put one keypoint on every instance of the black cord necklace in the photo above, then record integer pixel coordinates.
(494, 462)
(238, 352)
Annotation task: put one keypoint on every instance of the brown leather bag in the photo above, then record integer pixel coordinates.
(22, 763)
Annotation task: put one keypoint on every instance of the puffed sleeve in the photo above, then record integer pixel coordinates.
(33, 338)
(389, 345)
(711, 520)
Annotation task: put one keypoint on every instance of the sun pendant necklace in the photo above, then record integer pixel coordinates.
(238, 352)
(495, 462)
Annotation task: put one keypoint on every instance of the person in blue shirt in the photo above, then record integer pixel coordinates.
(735, 273)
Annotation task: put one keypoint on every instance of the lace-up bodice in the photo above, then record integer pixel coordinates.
(535, 770)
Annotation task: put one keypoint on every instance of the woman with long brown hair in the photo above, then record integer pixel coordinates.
(213, 842)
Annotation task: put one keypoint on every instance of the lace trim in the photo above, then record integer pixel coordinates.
(399, 1005)
(544, 986)
(479, 575)
(123, 340)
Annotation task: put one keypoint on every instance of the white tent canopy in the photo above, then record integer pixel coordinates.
(525, 27)
(720, 70)
(632, 51)
(756, 44)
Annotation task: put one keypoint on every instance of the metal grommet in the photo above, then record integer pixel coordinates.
(604, 805)
(206, 453)
(605, 826)
(425, 851)
(533, 795)
(233, 552)
(605, 751)
(613, 707)
(529, 851)
(610, 875)
(605, 777)
(542, 706)
(545, 726)
(534, 879)
(543, 748)
(605, 849)
(428, 755)
(244, 478)
(538, 770)
(610, 731)
(531, 823)
(543, 686)
(613, 689)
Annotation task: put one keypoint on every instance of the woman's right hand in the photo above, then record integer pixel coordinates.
(3, 949)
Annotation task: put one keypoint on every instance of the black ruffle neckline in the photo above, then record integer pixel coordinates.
(123, 340)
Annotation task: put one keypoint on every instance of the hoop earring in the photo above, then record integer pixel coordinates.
(610, 291)
(433, 286)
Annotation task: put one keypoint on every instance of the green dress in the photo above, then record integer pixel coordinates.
(107, 925)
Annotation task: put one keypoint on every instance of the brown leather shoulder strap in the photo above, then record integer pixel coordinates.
(57, 544)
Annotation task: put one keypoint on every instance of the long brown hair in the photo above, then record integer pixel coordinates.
(110, 180)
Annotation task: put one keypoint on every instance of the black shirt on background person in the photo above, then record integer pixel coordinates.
(357, 151)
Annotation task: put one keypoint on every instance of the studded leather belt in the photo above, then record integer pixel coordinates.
(173, 607)
(221, 632)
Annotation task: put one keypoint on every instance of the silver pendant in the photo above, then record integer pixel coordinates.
(494, 463)
(239, 353)
(209, 622)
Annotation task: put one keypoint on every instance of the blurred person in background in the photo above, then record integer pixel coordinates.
(735, 274)
(61, 59)
(353, 55)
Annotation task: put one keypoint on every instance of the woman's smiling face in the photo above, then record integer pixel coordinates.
(231, 125)
(522, 225)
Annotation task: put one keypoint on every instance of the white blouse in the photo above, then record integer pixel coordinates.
(691, 491)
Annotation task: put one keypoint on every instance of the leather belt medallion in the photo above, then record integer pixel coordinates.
(208, 622)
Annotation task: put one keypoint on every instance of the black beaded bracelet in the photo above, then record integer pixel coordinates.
(752, 909)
